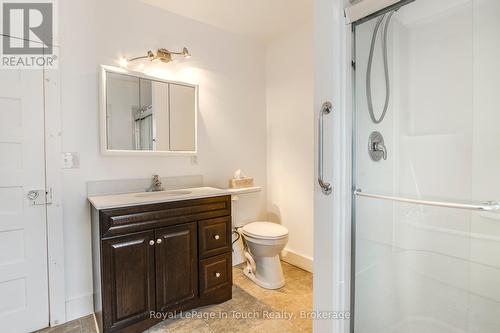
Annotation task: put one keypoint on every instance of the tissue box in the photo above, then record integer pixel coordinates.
(242, 182)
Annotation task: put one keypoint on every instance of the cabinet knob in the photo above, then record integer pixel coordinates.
(216, 237)
(217, 275)
(151, 242)
(158, 241)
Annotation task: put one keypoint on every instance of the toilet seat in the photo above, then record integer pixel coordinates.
(265, 230)
(264, 242)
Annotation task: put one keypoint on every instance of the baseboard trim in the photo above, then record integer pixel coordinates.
(95, 323)
(79, 307)
(293, 258)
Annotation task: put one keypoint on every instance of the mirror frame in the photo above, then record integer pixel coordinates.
(103, 115)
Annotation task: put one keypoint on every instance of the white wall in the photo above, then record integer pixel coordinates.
(232, 120)
(290, 142)
(331, 213)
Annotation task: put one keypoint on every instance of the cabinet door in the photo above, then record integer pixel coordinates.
(128, 279)
(176, 266)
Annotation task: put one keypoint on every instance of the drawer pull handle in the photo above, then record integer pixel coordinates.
(158, 241)
(151, 242)
(217, 275)
(216, 237)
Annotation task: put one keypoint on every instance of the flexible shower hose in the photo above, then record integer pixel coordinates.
(386, 68)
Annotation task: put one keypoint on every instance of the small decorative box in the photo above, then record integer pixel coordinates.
(242, 182)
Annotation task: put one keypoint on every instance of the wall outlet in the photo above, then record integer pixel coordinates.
(70, 160)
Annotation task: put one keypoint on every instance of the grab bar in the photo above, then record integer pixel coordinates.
(325, 187)
(485, 207)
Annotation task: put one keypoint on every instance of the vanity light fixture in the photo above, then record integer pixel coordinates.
(162, 55)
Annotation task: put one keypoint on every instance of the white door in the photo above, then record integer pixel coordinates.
(23, 249)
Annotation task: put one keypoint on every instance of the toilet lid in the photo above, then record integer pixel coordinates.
(266, 230)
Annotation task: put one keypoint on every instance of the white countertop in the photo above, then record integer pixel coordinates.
(143, 198)
(244, 190)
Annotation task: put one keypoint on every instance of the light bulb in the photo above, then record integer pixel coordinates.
(123, 62)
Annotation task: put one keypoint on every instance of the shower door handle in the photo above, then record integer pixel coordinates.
(484, 207)
(326, 188)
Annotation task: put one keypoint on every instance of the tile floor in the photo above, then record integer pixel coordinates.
(82, 325)
(250, 310)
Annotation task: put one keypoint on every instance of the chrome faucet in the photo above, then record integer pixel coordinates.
(156, 185)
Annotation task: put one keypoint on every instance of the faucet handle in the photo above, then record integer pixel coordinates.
(380, 146)
(156, 184)
(156, 180)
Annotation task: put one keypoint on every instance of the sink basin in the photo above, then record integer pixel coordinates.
(163, 194)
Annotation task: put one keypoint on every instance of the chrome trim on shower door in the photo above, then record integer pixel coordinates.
(484, 207)
(326, 188)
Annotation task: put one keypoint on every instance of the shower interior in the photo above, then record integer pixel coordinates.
(420, 268)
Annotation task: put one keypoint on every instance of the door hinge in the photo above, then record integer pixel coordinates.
(48, 196)
(353, 64)
(40, 197)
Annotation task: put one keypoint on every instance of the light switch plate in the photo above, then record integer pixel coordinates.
(70, 160)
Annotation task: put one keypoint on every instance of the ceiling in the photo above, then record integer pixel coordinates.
(260, 19)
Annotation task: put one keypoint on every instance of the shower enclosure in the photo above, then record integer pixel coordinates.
(426, 178)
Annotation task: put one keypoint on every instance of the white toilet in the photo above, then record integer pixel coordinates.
(264, 241)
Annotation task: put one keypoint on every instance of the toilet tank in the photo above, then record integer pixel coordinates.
(246, 208)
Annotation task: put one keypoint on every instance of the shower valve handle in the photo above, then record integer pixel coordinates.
(376, 147)
(380, 146)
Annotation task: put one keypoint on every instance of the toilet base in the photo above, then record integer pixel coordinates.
(268, 275)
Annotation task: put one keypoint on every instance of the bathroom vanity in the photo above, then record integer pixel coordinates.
(159, 252)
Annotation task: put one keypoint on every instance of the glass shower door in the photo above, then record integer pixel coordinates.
(426, 240)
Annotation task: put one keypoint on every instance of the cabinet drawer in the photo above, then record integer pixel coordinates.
(216, 276)
(214, 236)
(117, 221)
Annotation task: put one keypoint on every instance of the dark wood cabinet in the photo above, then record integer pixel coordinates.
(128, 264)
(176, 266)
(163, 258)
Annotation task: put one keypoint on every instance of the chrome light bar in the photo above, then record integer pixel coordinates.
(485, 207)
